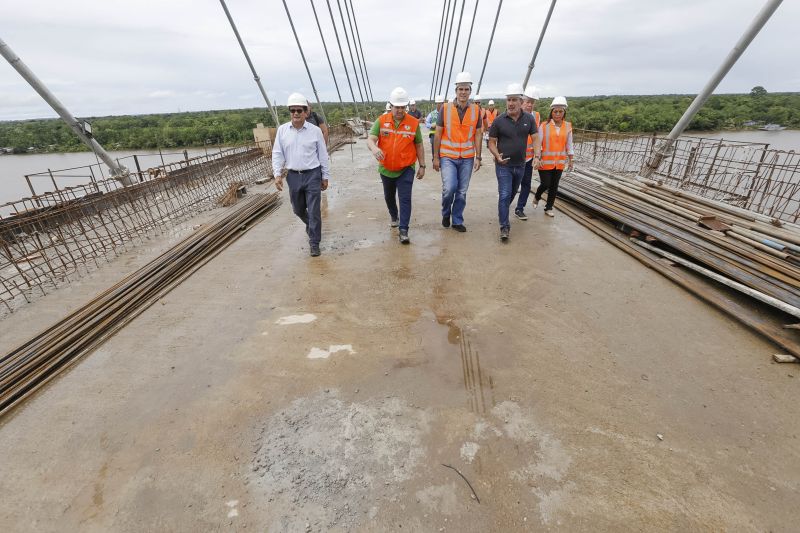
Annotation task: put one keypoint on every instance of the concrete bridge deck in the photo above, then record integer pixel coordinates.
(543, 370)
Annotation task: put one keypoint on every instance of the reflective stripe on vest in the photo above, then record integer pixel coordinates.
(554, 145)
(397, 143)
(458, 137)
(529, 149)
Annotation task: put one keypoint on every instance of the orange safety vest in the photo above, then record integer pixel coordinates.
(397, 144)
(488, 118)
(554, 145)
(529, 149)
(458, 138)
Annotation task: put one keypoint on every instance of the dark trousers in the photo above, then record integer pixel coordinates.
(549, 182)
(305, 191)
(399, 187)
(525, 186)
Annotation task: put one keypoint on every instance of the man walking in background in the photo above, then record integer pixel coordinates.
(318, 121)
(300, 149)
(413, 111)
(457, 151)
(529, 99)
(432, 118)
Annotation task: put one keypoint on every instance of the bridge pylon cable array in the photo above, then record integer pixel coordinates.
(455, 46)
(438, 49)
(350, 50)
(302, 55)
(341, 54)
(359, 48)
(447, 48)
(327, 56)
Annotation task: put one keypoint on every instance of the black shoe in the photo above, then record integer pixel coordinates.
(404, 236)
(446, 222)
(460, 227)
(314, 250)
(504, 234)
(520, 214)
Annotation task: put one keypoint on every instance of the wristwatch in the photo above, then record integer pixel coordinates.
(479, 158)
(422, 166)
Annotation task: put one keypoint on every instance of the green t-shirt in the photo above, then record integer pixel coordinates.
(376, 131)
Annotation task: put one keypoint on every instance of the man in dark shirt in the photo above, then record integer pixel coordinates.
(318, 121)
(508, 140)
(413, 111)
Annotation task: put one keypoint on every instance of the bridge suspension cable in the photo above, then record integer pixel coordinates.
(469, 38)
(252, 68)
(327, 56)
(438, 48)
(341, 53)
(299, 46)
(538, 44)
(360, 49)
(455, 46)
(447, 48)
(349, 49)
(489, 48)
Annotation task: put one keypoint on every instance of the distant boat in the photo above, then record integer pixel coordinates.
(772, 127)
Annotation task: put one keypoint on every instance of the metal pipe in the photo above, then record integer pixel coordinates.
(469, 37)
(438, 48)
(252, 68)
(119, 172)
(744, 41)
(341, 53)
(760, 296)
(455, 45)
(538, 44)
(325, 47)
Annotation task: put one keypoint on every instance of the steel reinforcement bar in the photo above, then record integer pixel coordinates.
(31, 365)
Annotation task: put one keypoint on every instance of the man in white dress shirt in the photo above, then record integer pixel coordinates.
(300, 149)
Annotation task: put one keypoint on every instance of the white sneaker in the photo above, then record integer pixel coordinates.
(535, 204)
(549, 212)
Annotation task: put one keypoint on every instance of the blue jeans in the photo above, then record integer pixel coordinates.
(456, 174)
(525, 186)
(508, 180)
(399, 187)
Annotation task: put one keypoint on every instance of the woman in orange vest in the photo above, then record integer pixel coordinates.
(557, 152)
(396, 142)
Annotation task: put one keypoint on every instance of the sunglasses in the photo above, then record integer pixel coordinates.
(297, 110)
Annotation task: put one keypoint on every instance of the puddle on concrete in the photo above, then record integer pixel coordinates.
(296, 319)
(456, 343)
(321, 353)
(363, 243)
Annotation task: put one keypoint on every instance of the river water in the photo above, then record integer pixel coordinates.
(13, 169)
(777, 140)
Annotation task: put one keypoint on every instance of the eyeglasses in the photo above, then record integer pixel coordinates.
(297, 110)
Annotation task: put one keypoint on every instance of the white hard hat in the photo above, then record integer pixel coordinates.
(398, 97)
(439, 99)
(412, 102)
(297, 99)
(388, 106)
(531, 92)
(514, 89)
(491, 102)
(559, 100)
(463, 77)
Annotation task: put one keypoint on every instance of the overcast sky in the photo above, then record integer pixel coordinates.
(145, 56)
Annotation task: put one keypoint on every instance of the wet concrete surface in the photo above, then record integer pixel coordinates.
(543, 370)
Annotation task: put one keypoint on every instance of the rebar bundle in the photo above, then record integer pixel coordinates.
(33, 364)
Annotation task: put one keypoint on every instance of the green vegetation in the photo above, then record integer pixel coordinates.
(606, 113)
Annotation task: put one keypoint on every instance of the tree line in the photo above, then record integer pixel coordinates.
(644, 114)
